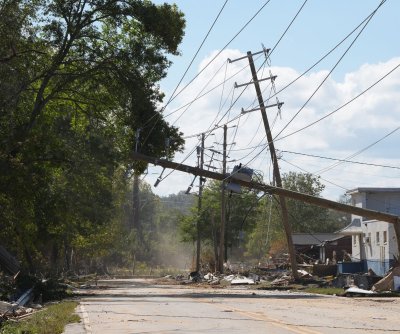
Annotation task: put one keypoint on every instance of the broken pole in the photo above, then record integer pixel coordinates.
(322, 202)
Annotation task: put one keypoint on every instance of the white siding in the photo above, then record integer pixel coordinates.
(384, 201)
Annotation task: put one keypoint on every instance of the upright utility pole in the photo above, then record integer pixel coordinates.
(200, 157)
(136, 193)
(221, 257)
(136, 204)
(277, 174)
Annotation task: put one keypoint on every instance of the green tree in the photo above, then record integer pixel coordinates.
(240, 220)
(304, 217)
(81, 80)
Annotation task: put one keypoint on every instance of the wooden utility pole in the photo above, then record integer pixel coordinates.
(322, 202)
(200, 156)
(223, 208)
(136, 204)
(136, 193)
(277, 174)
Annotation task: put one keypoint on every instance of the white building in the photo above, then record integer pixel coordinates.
(374, 243)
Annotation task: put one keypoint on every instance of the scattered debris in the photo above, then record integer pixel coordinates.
(304, 274)
(239, 280)
(363, 281)
(195, 276)
(391, 282)
(281, 279)
(25, 294)
(357, 291)
(17, 308)
(4, 306)
(322, 270)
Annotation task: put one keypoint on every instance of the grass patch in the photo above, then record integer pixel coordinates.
(324, 291)
(51, 320)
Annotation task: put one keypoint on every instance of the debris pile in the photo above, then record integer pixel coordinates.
(280, 279)
(274, 278)
(22, 295)
(18, 309)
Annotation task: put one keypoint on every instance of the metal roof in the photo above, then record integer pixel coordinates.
(353, 228)
(312, 238)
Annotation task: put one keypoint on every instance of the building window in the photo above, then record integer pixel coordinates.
(377, 238)
(384, 237)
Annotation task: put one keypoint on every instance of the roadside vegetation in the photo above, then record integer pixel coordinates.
(51, 320)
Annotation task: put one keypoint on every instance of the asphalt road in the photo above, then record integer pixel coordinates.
(140, 306)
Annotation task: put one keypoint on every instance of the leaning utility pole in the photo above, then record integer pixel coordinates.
(200, 157)
(223, 209)
(282, 200)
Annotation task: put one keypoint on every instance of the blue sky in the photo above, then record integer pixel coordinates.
(319, 26)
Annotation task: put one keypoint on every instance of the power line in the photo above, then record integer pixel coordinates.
(219, 52)
(360, 151)
(288, 27)
(343, 105)
(207, 92)
(285, 87)
(197, 52)
(288, 85)
(370, 16)
(316, 174)
(240, 116)
(263, 65)
(274, 47)
(330, 72)
(341, 160)
(206, 66)
(305, 171)
(205, 86)
(326, 55)
(325, 116)
(212, 60)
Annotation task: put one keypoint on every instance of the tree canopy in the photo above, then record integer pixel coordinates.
(79, 80)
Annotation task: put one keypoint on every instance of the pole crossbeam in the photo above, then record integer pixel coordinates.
(272, 78)
(279, 105)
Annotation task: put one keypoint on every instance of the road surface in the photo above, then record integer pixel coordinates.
(140, 306)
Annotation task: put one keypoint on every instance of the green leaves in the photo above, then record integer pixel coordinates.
(305, 217)
(80, 80)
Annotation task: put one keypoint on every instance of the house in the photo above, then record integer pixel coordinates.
(374, 244)
(321, 247)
